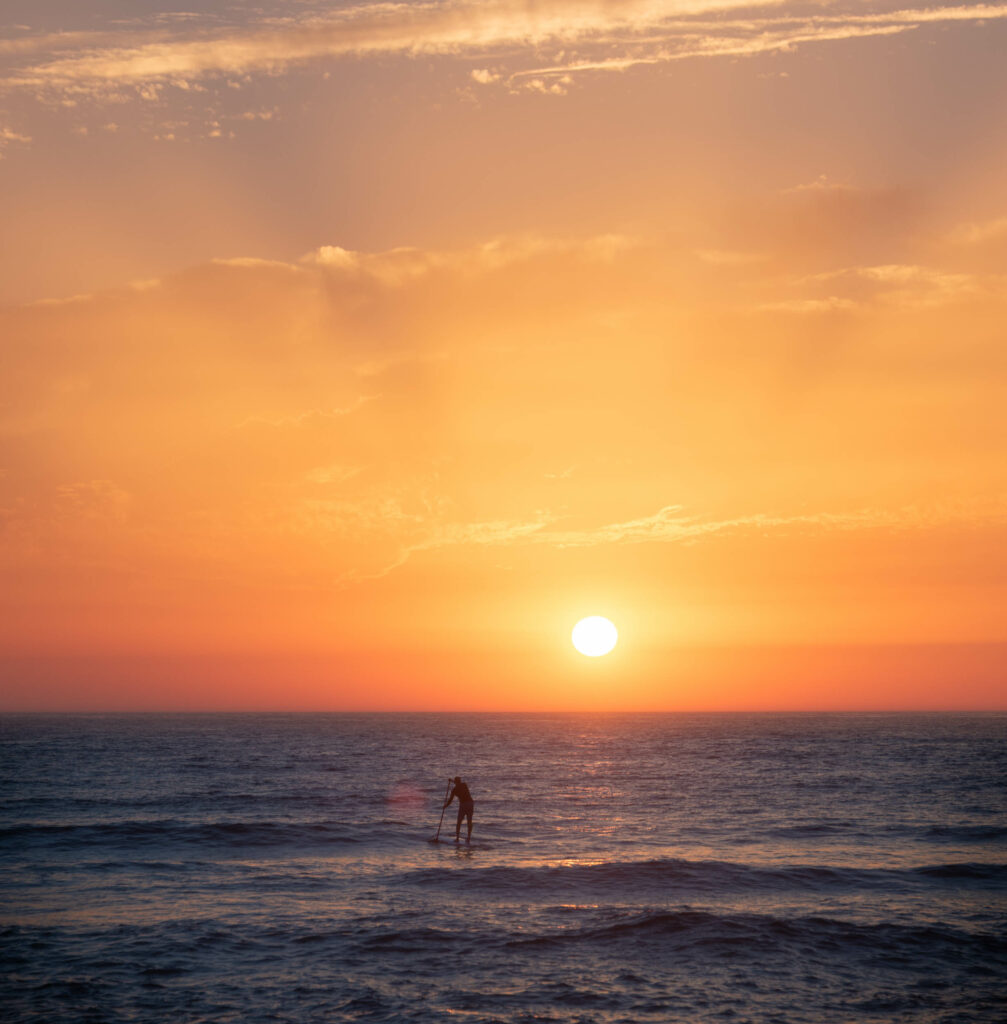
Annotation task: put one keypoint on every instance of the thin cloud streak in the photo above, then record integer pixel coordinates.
(720, 46)
(362, 30)
(668, 525)
(686, 40)
(655, 32)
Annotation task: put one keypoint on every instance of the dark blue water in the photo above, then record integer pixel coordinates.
(789, 868)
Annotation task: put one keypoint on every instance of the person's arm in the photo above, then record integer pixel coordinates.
(450, 798)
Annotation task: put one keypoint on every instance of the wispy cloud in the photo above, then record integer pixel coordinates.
(894, 283)
(730, 257)
(830, 304)
(405, 265)
(10, 137)
(717, 457)
(308, 416)
(609, 36)
(889, 285)
(669, 525)
(978, 233)
(673, 524)
(684, 39)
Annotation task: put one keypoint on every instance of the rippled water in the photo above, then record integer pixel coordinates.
(820, 868)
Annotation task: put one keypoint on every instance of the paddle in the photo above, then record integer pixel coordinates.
(437, 838)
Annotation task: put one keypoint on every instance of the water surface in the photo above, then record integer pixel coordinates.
(254, 868)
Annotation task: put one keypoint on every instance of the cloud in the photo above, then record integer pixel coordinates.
(308, 416)
(821, 184)
(885, 286)
(822, 225)
(669, 525)
(615, 35)
(365, 29)
(270, 424)
(93, 499)
(897, 283)
(830, 304)
(979, 233)
(333, 474)
(729, 258)
(10, 137)
(673, 40)
(405, 265)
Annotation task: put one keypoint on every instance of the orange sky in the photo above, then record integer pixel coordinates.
(351, 353)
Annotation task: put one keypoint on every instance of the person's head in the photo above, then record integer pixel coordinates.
(458, 779)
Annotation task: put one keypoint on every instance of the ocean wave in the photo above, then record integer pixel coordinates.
(968, 833)
(847, 829)
(698, 877)
(404, 933)
(813, 829)
(235, 833)
(209, 798)
(761, 933)
(980, 872)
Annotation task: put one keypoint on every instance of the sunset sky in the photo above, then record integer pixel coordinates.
(351, 353)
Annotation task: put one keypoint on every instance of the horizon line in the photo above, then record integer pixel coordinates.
(497, 711)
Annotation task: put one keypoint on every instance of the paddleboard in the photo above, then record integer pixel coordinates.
(462, 843)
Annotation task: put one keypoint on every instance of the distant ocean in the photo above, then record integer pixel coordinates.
(624, 868)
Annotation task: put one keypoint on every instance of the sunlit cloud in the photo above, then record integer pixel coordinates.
(613, 36)
(390, 326)
(730, 258)
(901, 284)
(350, 413)
(978, 233)
(307, 417)
(829, 304)
(9, 137)
(672, 524)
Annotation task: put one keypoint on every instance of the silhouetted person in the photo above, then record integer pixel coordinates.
(466, 805)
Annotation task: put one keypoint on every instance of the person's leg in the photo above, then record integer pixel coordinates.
(468, 814)
(458, 823)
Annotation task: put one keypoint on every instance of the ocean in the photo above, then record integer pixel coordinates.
(623, 868)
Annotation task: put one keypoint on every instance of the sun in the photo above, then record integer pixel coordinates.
(594, 636)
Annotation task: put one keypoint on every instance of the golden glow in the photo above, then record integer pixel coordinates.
(594, 636)
(310, 403)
